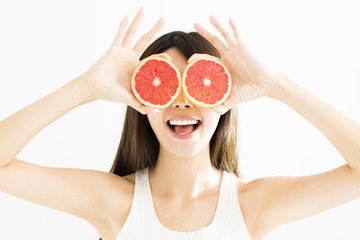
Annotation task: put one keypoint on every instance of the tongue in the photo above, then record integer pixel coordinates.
(184, 129)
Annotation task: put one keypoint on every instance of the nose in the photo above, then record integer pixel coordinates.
(182, 102)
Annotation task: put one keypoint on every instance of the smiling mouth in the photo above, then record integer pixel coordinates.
(183, 127)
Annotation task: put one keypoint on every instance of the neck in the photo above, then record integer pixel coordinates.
(184, 177)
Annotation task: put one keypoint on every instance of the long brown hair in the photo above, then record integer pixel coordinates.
(139, 147)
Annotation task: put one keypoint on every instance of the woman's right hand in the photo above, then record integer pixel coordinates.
(110, 77)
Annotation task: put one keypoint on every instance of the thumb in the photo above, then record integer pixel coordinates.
(200, 55)
(145, 110)
(221, 109)
(163, 55)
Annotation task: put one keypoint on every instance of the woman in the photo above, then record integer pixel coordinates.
(193, 194)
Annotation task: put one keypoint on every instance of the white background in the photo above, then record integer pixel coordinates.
(45, 44)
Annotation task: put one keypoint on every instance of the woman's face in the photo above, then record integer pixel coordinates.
(183, 128)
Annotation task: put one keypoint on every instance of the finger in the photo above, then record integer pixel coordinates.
(221, 109)
(147, 37)
(200, 55)
(132, 29)
(235, 32)
(145, 110)
(137, 106)
(120, 32)
(229, 40)
(214, 40)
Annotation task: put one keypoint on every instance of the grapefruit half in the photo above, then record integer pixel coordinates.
(156, 82)
(206, 82)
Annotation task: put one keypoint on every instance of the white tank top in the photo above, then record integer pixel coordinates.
(142, 222)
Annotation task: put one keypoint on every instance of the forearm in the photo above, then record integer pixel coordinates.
(342, 131)
(18, 129)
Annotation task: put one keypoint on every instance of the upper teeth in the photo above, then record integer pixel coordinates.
(183, 122)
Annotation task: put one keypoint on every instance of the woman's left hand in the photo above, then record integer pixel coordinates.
(251, 77)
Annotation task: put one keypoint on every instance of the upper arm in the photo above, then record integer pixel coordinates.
(75, 191)
(287, 199)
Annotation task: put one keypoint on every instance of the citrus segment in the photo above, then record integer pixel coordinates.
(156, 82)
(206, 82)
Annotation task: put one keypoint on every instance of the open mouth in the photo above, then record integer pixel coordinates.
(183, 127)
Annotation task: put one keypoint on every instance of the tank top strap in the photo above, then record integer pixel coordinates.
(229, 210)
(142, 202)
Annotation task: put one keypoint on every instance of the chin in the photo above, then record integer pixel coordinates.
(185, 150)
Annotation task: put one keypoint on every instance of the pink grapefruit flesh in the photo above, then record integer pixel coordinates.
(156, 82)
(206, 82)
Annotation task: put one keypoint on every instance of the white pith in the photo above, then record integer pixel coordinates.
(207, 82)
(156, 81)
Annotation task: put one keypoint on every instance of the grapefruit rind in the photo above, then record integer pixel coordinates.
(192, 99)
(136, 94)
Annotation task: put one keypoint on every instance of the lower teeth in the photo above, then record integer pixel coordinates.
(183, 133)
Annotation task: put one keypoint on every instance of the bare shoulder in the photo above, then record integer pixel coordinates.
(251, 200)
(100, 198)
(130, 178)
(116, 203)
(270, 202)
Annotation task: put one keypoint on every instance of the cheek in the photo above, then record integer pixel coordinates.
(210, 126)
(155, 121)
(211, 119)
